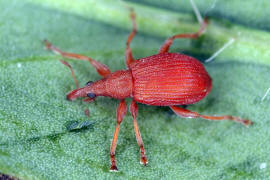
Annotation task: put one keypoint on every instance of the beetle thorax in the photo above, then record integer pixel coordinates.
(116, 85)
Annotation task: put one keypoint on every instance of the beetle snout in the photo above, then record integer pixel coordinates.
(75, 94)
(86, 91)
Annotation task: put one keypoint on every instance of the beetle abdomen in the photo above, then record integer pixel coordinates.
(169, 79)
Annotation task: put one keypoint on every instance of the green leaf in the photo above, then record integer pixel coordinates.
(44, 136)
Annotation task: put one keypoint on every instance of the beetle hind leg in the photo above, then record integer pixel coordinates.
(167, 44)
(189, 114)
(133, 108)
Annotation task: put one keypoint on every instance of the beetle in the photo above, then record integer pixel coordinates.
(163, 79)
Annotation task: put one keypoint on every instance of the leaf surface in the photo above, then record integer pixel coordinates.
(43, 136)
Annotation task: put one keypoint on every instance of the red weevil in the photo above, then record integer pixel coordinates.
(164, 79)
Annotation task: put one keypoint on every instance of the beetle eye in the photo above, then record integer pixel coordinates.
(91, 95)
(89, 83)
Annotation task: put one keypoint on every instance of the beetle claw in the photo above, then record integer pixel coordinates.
(247, 122)
(113, 168)
(144, 161)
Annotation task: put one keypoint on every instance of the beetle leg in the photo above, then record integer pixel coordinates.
(121, 112)
(166, 46)
(73, 74)
(133, 108)
(189, 114)
(129, 56)
(102, 69)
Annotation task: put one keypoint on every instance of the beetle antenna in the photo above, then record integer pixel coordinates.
(220, 50)
(87, 112)
(71, 69)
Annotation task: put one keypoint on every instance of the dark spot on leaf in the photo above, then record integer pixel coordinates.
(34, 139)
(54, 137)
(245, 169)
(72, 125)
(2, 153)
(75, 126)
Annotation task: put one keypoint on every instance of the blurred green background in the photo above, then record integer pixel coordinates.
(43, 136)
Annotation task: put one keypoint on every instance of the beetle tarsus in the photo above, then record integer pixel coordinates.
(189, 114)
(51, 47)
(113, 169)
(113, 164)
(144, 161)
(246, 122)
(47, 44)
(143, 157)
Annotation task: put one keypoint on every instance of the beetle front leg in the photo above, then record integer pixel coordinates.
(102, 69)
(133, 108)
(189, 114)
(129, 56)
(121, 112)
